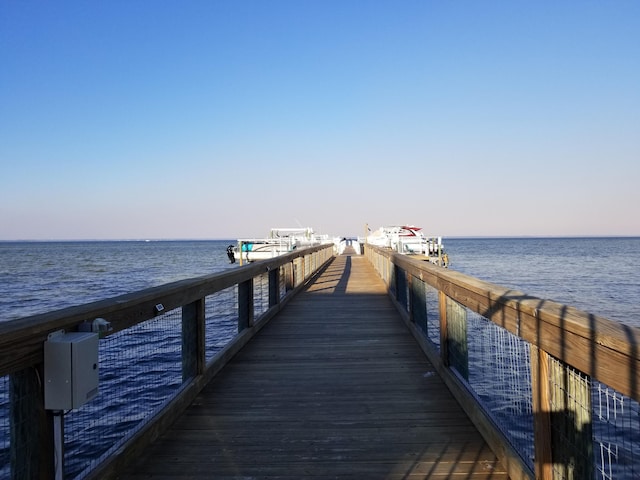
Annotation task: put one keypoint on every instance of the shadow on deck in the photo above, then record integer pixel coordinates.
(334, 386)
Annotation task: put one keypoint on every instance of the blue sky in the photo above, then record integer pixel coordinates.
(210, 119)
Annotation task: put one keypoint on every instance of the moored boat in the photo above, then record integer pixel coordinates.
(279, 242)
(409, 240)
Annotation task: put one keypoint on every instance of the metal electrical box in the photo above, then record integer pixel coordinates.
(70, 369)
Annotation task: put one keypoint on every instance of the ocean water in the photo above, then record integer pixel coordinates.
(598, 275)
(37, 277)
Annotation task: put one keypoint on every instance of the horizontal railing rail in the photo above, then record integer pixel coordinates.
(554, 390)
(159, 347)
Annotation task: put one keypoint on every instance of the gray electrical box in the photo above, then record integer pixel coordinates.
(70, 369)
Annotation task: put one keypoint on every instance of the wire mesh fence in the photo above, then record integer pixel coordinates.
(260, 294)
(425, 310)
(500, 378)
(433, 316)
(282, 282)
(221, 320)
(5, 433)
(307, 266)
(140, 369)
(616, 430)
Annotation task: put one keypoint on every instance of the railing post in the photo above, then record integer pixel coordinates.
(571, 422)
(392, 280)
(563, 443)
(457, 337)
(418, 302)
(541, 413)
(193, 339)
(274, 287)
(298, 271)
(387, 269)
(294, 273)
(32, 438)
(409, 279)
(401, 287)
(305, 267)
(245, 304)
(288, 276)
(444, 331)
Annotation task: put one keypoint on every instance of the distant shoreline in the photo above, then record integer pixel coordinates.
(455, 237)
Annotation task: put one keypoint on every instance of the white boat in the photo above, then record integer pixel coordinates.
(409, 240)
(279, 242)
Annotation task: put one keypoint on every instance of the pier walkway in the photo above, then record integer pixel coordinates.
(334, 386)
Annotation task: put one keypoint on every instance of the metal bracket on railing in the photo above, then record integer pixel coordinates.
(98, 325)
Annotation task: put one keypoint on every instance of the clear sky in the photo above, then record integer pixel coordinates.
(222, 119)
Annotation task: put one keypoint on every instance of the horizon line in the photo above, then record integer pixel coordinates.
(211, 239)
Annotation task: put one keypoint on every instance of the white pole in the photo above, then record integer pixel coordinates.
(58, 444)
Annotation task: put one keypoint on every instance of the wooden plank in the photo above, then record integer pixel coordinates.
(333, 387)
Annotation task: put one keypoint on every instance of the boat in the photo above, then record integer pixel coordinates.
(409, 240)
(278, 242)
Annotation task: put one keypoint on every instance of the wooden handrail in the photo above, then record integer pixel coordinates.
(607, 351)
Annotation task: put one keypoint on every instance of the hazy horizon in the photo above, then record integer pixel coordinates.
(233, 239)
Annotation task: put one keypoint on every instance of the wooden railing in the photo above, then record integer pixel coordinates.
(31, 427)
(567, 352)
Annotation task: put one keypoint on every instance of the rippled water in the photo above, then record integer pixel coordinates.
(598, 275)
(37, 277)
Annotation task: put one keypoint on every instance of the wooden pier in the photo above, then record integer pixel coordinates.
(352, 366)
(334, 386)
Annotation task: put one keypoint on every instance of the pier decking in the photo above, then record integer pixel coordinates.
(335, 386)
